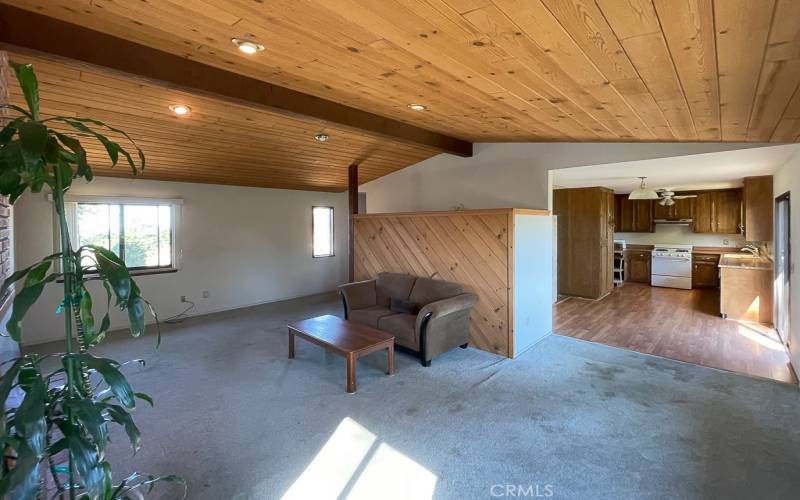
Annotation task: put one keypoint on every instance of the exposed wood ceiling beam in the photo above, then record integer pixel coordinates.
(22, 29)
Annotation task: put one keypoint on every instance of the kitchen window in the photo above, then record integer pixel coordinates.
(322, 231)
(141, 231)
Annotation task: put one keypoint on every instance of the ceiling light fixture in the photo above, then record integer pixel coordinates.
(643, 193)
(180, 109)
(322, 137)
(417, 107)
(247, 46)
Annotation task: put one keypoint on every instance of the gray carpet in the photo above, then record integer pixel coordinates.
(238, 420)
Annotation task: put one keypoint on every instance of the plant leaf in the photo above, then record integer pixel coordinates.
(30, 86)
(22, 302)
(33, 139)
(114, 271)
(22, 482)
(145, 397)
(121, 416)
(91, 417)
(87, 319)
(24, 272)
(29, 420)
(136, 308)
(84, 170)
(9, 130)
(6, 383)
(109, 370)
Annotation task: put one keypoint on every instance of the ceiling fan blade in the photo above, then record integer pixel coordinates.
(684, 196)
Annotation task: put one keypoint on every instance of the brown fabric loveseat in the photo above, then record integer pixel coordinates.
(426, 316)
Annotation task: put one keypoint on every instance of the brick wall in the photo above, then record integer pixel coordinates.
(6, 246)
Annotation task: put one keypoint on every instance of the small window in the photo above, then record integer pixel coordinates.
(141, 232)
(322, 231)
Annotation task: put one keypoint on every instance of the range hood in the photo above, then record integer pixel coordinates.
(674, 222)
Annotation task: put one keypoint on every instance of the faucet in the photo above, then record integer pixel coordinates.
(753, 250)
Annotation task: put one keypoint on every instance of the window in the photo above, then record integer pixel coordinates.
(322, 231)
(141, 231)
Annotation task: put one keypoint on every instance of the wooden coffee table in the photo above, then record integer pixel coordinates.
(345, 338)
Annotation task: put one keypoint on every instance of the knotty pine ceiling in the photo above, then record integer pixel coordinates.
(498, 70)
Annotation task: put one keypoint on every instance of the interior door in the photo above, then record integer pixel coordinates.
(783, 266)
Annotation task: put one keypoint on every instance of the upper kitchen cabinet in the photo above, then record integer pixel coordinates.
(633, 216)
(682, 209)
(718, 212)
(758, 201)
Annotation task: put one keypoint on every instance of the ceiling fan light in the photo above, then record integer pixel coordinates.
(643, 193)
(669, 202)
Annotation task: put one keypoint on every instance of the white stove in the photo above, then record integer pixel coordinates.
(672, 266)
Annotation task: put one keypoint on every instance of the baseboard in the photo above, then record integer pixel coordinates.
(151, 321)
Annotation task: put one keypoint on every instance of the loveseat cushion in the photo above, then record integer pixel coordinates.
(428, 290)
(402, 327)
(369, 315)
(393, 285)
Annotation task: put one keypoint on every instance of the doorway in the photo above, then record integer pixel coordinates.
(783, 266)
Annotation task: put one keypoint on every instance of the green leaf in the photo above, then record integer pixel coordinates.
(30, 86)
(22, 302)
(24, 272)
(112, 148)
(33, 139)
(84, 170)
(22, 111)
(87, 318)
(121, 416)
(114, 271)
(136, 308)
(63, 172)
(108, 369)
(6, 384)
(95, 473)
(29, 420)
(8, 131)
(90, 415)
(144, 397)
(22, 482)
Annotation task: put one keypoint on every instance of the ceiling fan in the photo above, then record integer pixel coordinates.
(666, 196)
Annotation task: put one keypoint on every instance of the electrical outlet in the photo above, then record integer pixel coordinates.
(726, 242)
(206, 294)
(183, 298)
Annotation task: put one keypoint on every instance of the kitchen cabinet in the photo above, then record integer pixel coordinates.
(705, 273)
(633, 216)
(586, 222)
(758, 204)
(682, 209)
(638, 266)
(718, 212)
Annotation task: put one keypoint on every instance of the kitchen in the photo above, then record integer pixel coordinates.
(685, 273)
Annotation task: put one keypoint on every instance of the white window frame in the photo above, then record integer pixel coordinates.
(175, 204)
(333, 234)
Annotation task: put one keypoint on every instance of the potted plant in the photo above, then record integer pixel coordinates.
(56, 437)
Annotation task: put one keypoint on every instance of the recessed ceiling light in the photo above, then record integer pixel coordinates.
(247, 46)
(180, 109)
(417, 107)
(322, 137)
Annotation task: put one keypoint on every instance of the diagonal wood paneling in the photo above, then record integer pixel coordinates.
(501, 70)
(470, 247)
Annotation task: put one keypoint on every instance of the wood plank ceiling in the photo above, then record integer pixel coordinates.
(497, 70)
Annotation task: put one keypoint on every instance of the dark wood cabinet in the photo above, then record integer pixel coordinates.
(758, 205)
(637, 266)
(705, 271)
(718, 212)
(682, 209)
(633, 216)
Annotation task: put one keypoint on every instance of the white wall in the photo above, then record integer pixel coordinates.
(506, 175)
(681, 235)
(244, 245)
(787, 179)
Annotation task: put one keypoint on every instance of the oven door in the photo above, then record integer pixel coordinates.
(672, 266)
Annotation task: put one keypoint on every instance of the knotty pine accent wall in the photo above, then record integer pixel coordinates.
(472, 247)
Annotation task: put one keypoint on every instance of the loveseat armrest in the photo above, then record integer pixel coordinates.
(450, 305)
(358, 295)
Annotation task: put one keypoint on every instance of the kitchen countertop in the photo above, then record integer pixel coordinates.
(743, 261)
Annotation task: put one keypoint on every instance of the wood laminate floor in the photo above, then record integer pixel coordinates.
(677, 324)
